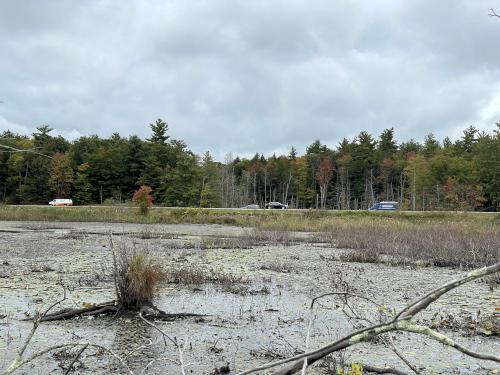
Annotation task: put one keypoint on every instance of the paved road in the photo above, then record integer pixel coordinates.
(227, 209)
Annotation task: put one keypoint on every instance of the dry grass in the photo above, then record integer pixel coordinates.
(250, 238)
(446, 245)
(304, 220)
(361, 256)
(262, 235)
(197, 275)
(280, 267)
(138, 276)
(209, 242)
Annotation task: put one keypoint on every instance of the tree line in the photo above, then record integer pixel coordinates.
(433, 175)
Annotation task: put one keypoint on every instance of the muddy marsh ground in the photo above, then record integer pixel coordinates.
(254, 284)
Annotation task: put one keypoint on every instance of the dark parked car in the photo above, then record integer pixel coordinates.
(276, 205)
(385, 206)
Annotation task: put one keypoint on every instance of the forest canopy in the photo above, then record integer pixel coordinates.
(463, 174)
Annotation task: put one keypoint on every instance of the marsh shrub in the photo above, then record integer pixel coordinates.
(143, 199)
(138, 276)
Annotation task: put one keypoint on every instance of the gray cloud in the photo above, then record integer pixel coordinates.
(250, 76)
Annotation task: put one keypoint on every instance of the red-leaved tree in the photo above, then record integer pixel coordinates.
(143, 199)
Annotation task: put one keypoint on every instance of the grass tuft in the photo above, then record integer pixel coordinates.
(138, 276)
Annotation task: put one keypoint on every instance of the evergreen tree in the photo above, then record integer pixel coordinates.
(82, 188)
(159, 129)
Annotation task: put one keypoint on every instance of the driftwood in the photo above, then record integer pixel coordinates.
(401, 322)
(111, 308)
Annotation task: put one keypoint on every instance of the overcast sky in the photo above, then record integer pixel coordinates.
(250, 76)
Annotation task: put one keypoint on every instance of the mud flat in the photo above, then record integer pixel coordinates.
(255, 302)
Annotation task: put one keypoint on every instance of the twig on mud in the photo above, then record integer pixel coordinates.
(21, 362)
(345, 294)
(352, 315)
(157, 360)
(401, 356)
(115, 266)
(308, 335)
(172, 340)
(56, 303)
(76, 358)
(401, 322)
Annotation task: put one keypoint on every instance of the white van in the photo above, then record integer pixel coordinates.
(61, 202)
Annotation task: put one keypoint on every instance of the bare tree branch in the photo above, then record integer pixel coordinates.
(345, 294)
(118, 292)
(400, 323)
(56, 303)
(383, 370)
(411, 327)
(422, 303)
(493, 14)
(28, 150)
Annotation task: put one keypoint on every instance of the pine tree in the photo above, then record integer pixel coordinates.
(82, 187)
(159, 129)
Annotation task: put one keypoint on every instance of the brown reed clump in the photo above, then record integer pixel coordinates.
(138, 276)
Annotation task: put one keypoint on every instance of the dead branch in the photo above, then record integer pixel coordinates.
(18, 360)
(21, 362)
(172, 340)
(308, 335)
(118, 291)
(383, 370)
(345, 294)
(401, 322)
(493, 14)
(85, 311)
(408, 326)
(28, 150)
(422, 303)
(76, 358)
(56, 303)
(401, 356)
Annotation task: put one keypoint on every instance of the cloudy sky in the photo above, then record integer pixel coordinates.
(250, 76)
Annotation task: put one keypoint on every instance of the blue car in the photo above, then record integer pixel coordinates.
(385, 206)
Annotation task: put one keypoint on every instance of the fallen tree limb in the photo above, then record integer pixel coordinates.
(401, 322)
(71, 313)
(111, 308)
(383, 370)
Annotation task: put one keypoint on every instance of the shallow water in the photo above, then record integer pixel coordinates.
(244, 326)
